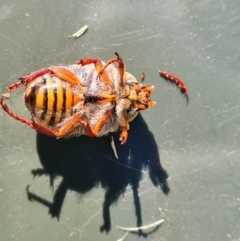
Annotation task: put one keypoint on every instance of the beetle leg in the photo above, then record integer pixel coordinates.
(66, 129)
(58, 71)
(64, 74)
(87, 60)
(43, 129)
(71, 125)
(176, 80)
(15, 116)
(123, 135)
(96, 128)
(119, 60)
(98, 65)
(104, 98)
(28, 78)
(124, 128)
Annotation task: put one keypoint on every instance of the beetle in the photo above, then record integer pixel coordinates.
(90, 97)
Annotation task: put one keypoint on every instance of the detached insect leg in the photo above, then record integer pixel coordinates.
(177, 81)
(29, 123)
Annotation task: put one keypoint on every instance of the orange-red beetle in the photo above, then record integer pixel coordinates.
(90, 97)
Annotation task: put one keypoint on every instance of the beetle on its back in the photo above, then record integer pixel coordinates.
(90, 97)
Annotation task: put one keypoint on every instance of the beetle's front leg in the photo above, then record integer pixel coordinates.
(98, 65)
(28, 78)
(58, 71)
(121, 67)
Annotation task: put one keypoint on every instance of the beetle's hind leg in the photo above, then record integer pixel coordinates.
(67, 128)
(29, 123)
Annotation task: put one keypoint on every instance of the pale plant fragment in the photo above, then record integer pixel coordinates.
(80, 32)
(123, 238)
(114, 147)
(142, 76)
(6, 95)
(134, 229)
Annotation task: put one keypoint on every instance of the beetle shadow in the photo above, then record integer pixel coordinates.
(84, 163)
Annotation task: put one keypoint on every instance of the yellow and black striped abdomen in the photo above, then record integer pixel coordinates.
(51, 100)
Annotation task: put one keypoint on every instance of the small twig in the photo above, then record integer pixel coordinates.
(142, 76)
(114, 147)
(142, 227)
(79, 32)
(123, 238)
(6, 95)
